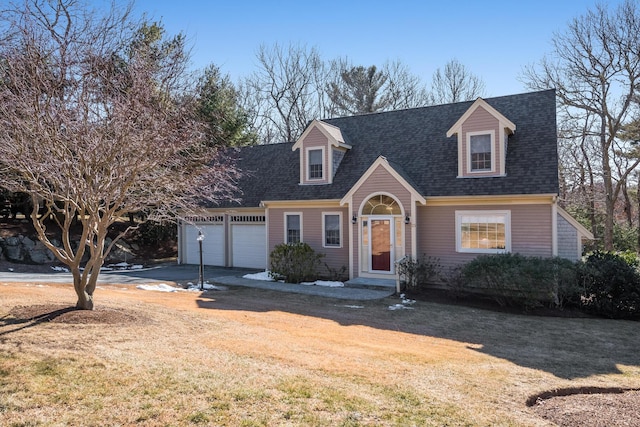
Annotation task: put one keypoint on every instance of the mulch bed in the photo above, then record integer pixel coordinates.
(71, 315)
(590, 407)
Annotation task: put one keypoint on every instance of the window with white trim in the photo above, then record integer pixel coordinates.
(480, 146)
(315, 163)
(332, 230)
(292, 227)
(483, 231)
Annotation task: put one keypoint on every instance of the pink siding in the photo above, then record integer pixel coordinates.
(481, 120)
(312, 233)
(380, 181)
(315, 138)
(531, 231)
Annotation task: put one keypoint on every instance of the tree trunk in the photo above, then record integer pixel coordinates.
(85, 296)
(609, 198)
(85, 300)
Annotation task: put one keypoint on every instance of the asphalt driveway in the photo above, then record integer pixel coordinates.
(183, 274)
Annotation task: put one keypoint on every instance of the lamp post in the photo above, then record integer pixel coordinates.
(200, 238)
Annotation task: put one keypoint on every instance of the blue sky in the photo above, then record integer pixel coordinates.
(493, 39)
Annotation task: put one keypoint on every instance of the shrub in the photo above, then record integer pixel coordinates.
(418, 272)
(454, 282)
(611, 285)
(336, 274)
(514, 279)
(295, 262)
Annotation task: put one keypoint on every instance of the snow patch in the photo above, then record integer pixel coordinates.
(326, 283)
(266, 276)
(263, 275)
(191, 287)
(121, 266)
(160, 287)
(404, 303)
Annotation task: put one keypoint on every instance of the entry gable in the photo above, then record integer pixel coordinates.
(482, 141)
(322, 147)
(382, 161)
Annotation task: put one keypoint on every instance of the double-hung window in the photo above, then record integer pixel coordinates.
(293, 227)
(480, 150)
(332, 230)
(315, 157)
(483, 231)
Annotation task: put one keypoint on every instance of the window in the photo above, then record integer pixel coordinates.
(315, 158)
(332, 229)
(480, 151)
(483, 231)
(381, 205)
(293, 228)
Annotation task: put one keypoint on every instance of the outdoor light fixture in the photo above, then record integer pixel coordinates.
(407, 219)
(200, 238)
(354, 219)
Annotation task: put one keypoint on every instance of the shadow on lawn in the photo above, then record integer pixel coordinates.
(568, 348)
(21, 323)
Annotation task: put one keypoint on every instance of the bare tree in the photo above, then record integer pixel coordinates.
(455, 84)
(285, 93)
(96, 126)
(578, 153)
(595, 68)
(405, 90)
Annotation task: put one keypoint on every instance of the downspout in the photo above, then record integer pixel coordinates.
(180, 248)
(352, 228)
(554, 226)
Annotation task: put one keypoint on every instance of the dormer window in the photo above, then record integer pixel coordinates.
(481, 152)
(322, 149)
(482, 141)
(315, 161)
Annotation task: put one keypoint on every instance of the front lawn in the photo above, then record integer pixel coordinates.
(248, 357)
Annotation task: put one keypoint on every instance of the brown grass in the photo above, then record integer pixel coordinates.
(247, 357)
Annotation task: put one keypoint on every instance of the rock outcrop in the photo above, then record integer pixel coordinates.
(25, 250)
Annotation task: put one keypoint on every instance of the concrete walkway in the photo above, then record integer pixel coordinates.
(346, 293)
(183, 274)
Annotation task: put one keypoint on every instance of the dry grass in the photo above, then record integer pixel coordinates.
(247, 357)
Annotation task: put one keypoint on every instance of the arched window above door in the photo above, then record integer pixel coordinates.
(381, 204)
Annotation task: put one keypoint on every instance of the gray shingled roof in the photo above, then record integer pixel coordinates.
(415, 142)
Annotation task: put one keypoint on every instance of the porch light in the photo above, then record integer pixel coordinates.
(407, 219)
(200, 238)
(354, 219)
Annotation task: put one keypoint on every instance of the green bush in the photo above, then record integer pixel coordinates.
(417, 273)
(611, 284)
(295, 262)
(514, 279)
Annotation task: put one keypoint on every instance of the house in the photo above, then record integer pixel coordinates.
(448, 181)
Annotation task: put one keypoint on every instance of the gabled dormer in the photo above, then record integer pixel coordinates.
(321, 148)
(482, 141)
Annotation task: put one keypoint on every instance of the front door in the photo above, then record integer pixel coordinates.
(381, 232)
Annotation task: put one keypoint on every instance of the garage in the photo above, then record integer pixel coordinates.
(248, 245)
(212, 245)
(229, 240)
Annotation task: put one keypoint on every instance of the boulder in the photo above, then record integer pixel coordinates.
(121, 251)
(40, 254)
(13, 249)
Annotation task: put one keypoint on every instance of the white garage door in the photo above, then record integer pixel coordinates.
(212, 245)
(249, 246)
